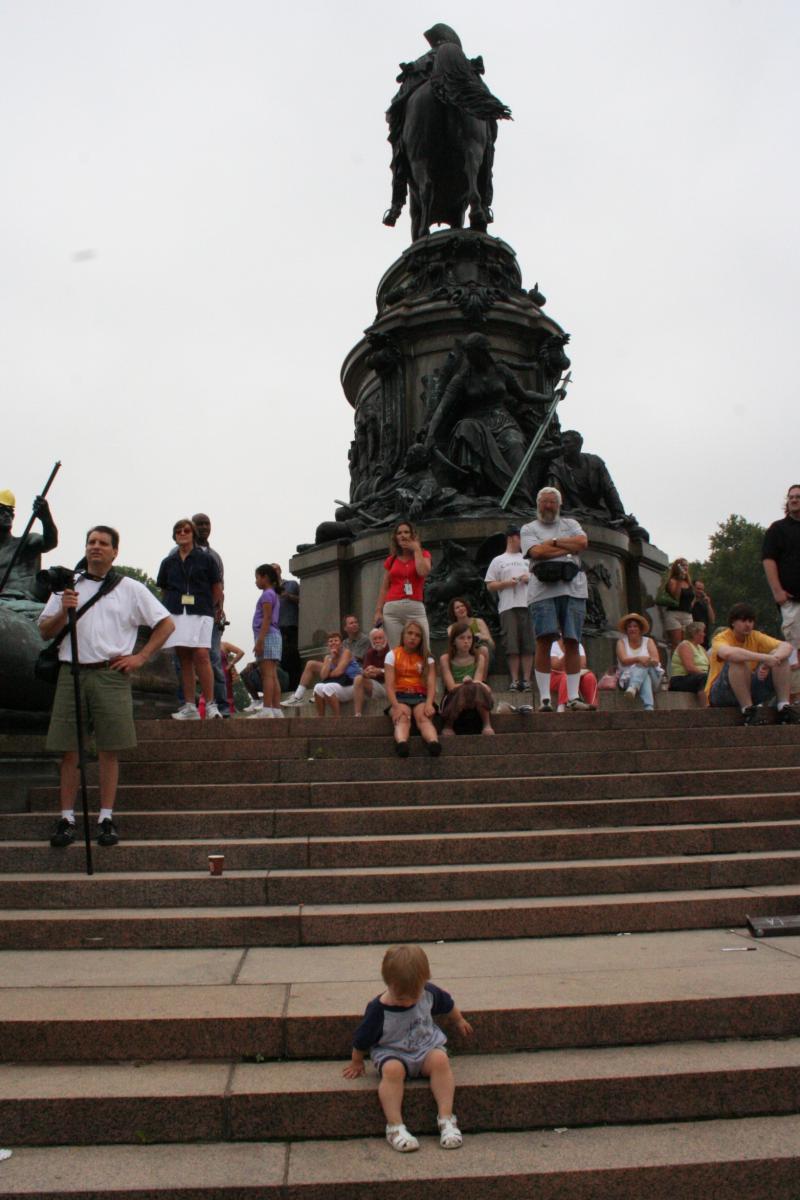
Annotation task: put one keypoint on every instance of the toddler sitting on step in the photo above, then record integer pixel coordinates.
(404, 1042)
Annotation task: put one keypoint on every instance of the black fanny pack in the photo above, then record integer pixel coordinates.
(555, 571)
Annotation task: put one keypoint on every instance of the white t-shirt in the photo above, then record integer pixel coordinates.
(389, 660)
(536, 532)
(505, 567)
(110, 626)
(557, 652)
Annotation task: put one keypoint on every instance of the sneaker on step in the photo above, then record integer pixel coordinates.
(515, 686)
(277, 712)
(253, 706)
(263, 714)
(292, 702)
(188, 712)
(106, 833)
(577, 706)
(64, 833)
(212, 711)
(754, 715)
(546, 705)
(787, 716)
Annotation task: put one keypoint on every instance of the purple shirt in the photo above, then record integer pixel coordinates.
(268, 596)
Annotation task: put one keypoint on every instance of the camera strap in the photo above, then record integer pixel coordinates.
(109, 583)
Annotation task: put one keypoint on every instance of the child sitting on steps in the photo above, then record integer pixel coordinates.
(404, 1042)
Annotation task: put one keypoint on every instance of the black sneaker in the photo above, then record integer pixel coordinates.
(516, 687)
(107, 834)
(753, 715)
(545, 706)
(787, 716)
(64, 833)
(401, 749)
(434, 749)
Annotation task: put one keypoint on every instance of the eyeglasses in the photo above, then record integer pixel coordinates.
(185, 529)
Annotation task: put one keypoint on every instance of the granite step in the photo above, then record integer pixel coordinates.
(399, 884)
(388, 767)
(359, 924)
(558, 739)
(427, 849)
(601, 992)
(377, 726)
(749, 1159)
(500, 747)
(418, 791)
(122, 1103)
(379, 820)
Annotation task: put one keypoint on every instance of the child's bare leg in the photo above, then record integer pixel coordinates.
(390, 1090)
(402, 726)
(425, 725)
(436, 1067)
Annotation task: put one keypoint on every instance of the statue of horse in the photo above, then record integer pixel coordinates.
(446, 150)
(443, 126)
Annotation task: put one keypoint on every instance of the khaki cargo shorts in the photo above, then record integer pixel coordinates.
(106, 708)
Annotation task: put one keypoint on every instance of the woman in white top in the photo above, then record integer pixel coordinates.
(637, 655)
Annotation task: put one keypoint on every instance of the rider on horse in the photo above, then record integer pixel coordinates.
(454, 80)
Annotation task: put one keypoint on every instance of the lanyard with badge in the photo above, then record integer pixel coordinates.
(187, 599)
(408, 588)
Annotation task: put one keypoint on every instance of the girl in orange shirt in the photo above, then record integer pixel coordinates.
(410, 682)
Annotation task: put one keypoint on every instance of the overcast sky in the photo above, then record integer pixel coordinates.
(190, 242)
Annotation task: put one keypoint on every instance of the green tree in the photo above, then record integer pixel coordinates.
(141, 577)
(733, 572)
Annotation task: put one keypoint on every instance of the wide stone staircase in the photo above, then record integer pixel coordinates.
(581, 883)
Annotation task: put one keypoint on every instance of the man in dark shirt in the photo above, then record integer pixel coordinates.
(202, 523)
(780, 554)
(703, 610)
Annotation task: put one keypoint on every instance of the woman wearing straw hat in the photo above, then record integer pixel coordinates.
(637, 655)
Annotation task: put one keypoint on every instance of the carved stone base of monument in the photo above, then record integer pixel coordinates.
(451, 386)
(337, 579)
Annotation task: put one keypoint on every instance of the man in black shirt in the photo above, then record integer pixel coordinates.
(203, 525)
(781, 557)
(703, 610)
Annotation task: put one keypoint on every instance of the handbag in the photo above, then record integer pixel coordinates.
(664, 597)
(48, 664)
(555, 571)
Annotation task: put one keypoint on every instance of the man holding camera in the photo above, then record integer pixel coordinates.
(106, 635)
(557, 592)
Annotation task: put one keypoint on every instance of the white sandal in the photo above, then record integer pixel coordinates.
(400, 1139)
(450, 1135)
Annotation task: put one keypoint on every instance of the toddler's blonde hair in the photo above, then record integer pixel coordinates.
(405, 968)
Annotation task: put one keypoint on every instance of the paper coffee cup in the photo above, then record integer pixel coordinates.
(215, 864)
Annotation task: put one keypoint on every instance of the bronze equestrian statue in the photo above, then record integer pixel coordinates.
(442, 128)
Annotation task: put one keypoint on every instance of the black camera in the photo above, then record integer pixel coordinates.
(53, 579)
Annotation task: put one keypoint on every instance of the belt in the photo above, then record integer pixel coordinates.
(96, 666)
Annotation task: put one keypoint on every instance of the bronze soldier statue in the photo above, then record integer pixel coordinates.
(442, 129)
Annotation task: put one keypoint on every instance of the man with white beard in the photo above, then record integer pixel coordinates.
(557, 592)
